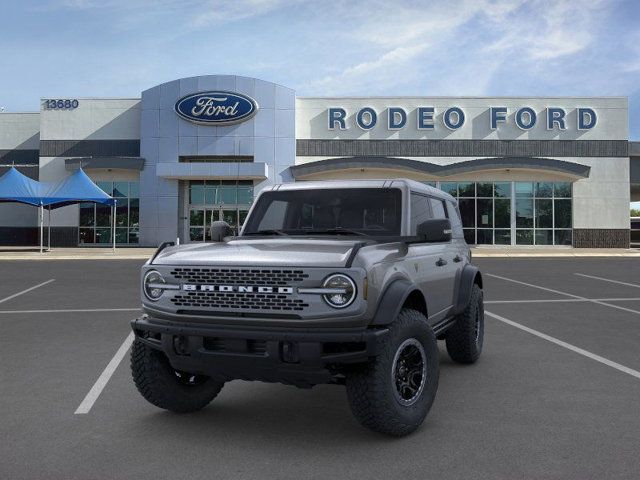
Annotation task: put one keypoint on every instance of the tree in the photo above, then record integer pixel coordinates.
(635, 212)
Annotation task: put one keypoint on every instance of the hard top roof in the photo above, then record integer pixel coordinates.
(389, 183)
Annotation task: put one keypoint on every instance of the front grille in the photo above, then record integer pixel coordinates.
(239, 276)
(245, 301)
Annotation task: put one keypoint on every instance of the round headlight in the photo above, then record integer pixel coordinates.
(152, 285)
(344, 290)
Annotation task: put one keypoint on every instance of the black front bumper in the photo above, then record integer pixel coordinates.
(302, 357)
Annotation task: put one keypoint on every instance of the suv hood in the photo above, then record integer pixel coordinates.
(261, 252)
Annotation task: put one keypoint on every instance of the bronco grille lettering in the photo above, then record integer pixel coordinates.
(188, 287)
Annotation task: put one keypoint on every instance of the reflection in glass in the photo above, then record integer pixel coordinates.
(196, 234)
(121, 189)
(106, 187)
(103, 235)
(502, 189)
(122, 215)
(562, 237)
(134, 212)
(562, 190)
(502, 213)
(503, 237)
(121, 235)
(485, 213)
(196, 217)
(524, 237)
(544, 237)
(87, 215)
(470, 236)
(133, 235)
(562, 213)
(524, 212)
(485, 236)
(245, 195)
(467, 212)
(524, 189)
(196, 192)
(484, 189)
(466, 189)
(242, 217)
(544, 189)
(103, 215)
(450, 187)
(228, 195)
(86, 235)
(544, 214)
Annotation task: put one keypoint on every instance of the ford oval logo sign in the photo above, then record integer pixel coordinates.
(216, 107)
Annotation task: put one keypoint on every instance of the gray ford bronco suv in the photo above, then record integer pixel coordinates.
(342, 282)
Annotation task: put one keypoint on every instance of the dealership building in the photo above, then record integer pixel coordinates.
(532, 171)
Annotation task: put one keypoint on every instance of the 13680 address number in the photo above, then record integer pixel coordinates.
(61, 104)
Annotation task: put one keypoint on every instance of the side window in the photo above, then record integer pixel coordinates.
(456, 223)
(437, 206)
(420, 211)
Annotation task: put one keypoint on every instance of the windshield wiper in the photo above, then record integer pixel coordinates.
(336, 231)
(267, 232)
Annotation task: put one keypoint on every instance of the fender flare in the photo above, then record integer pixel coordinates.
(392, 300)
(467, 279)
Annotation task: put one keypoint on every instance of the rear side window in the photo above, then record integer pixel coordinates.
(454, 218)
(420, 211)
(437, 206)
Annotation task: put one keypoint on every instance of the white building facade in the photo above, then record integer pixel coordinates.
(526, 171)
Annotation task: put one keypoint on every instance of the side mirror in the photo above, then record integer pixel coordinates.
(219, 230)
(435, 230)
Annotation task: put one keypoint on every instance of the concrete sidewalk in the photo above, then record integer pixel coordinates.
(139, 253)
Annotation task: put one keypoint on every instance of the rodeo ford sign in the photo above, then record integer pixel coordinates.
(216, 108)
(525, 118)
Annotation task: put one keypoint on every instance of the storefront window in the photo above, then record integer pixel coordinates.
(542, 212)
(212, 200)
(95, 220)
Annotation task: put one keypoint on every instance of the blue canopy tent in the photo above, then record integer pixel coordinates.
(16, 187)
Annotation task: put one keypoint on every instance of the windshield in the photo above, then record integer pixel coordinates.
(353, 211)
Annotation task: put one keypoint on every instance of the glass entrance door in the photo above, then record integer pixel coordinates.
(200, 220)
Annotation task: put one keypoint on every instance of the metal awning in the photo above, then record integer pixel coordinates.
(576, 170)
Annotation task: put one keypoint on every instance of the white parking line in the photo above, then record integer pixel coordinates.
(608, 280)
(563, 300)
(568, 346)
(75, 310)
(26, 291)
(104, 377)
(598, 302)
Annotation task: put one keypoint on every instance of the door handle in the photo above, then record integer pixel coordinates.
(441, 262)
(457, 258)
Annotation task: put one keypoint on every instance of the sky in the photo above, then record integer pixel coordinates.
(118, 48)
(84, 48)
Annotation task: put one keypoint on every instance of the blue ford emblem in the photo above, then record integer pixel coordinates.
(216, 108)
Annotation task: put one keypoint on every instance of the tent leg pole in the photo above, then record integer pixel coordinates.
(41, 227)
(113, 209)
(49, 233)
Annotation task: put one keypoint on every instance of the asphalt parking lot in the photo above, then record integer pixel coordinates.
(556, 393)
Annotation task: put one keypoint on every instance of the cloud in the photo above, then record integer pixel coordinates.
(216, 12)
(541, 30)
(401, 36)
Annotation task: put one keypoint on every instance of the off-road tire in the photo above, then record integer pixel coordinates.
(371, 389)
(160, 384)
(464, 342)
